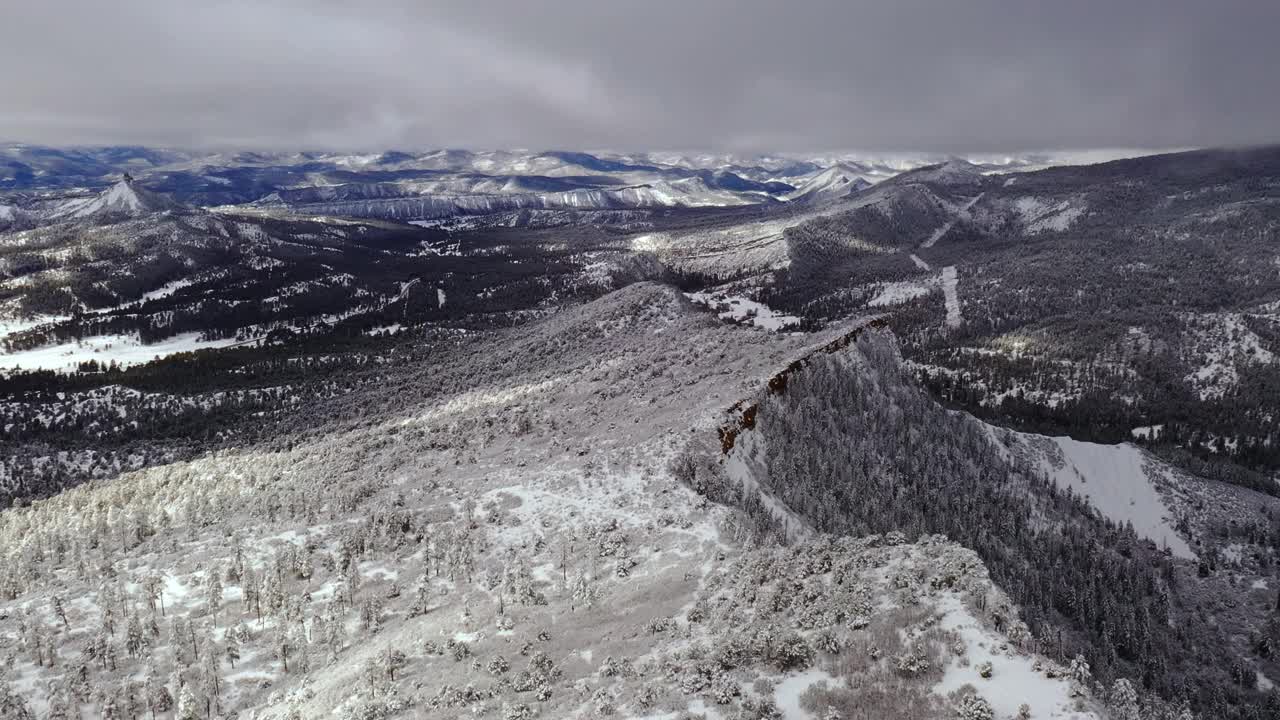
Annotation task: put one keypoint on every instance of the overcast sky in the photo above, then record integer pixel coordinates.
(947, 75)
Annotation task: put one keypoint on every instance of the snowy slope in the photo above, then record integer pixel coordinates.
(896, 293)
(741, 309)
(120, 349)
(1015, 679)
(123, 199)
(513, 545)
(836, 181)
(950, 290)
(1121, 481)
(1219, 346)
(1039, 215)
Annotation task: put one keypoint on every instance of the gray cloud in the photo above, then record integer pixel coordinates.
(718, 74)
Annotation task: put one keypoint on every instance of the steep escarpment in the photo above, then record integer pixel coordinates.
(852, 446)
(745, 410)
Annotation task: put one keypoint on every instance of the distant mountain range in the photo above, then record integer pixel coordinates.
(446, 183)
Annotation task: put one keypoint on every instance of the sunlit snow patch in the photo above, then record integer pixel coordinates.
(1014, 678)
(950, 284)
(1040, 216)
(740, 309)
(124, 350)
(14, 326)
(896, 293)
(1118, 481)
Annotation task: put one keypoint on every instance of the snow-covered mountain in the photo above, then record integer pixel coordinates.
(435, 185)
(124, 199)
(650, 435)
(514, 550)
(836, 181)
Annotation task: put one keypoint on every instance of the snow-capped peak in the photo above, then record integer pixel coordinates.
(953, 171)
(839, 179)
(125, 198)
(121, 196)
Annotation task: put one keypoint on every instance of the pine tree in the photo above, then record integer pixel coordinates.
(109, 654)
(12, 705)
(335, 634)
(210, 657)
(251, 598)
(392, 660)
(109, 602)
(131, 701)
(60, 706)
(231, 644)
(155, 695)
(280, 648)
(1123, 700)
(421, 597)
(38, 644)
(301, 651)
(210, 681)
(60, 612)
(134, 638)
(583, 592)
(178, 641)
(213, 593)
(152, 588)
(188, 707)
(110, 706)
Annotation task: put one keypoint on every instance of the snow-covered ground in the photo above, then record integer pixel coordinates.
(163, 291)
(896, 293)
(1039, 215)
(1015, 679)
(1147, 432)
(167, 289)
(950, 283)
(1119, 480)
(788, 692)
(125, 350)
(14, 326)
(1218, 344)
(740, 309)
(564, 540)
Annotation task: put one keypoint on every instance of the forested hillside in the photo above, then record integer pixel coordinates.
(850, 445)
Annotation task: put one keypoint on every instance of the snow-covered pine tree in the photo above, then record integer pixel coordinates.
(188, 706)
(12, 705)
(335, 633)
(301, 654)
(1123, 700)
(213, 593)
(60, 612)
(421, 597)
(155, 695)
(134, 636)
(280, 648)
(60, 705)
(179, 644)
(231, 646)
(109, 705)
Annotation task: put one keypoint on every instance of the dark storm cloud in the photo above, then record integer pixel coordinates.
(736, 74)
